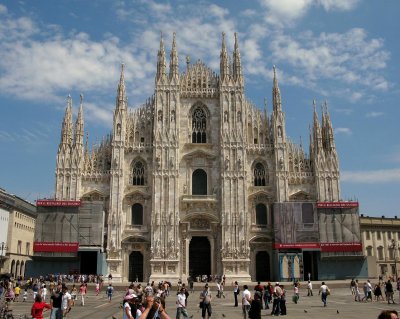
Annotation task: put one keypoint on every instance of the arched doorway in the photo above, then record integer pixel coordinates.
(136, 266)
(262, 266)
(199, 257)
(12, 269)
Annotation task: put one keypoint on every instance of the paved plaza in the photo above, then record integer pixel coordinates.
(340, 305)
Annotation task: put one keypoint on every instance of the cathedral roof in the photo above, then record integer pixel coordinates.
(199, 80)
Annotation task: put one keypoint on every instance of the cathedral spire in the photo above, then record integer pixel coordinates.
(330, 139)
(224, 60)
(79, 125)
(276, 94)
(173, 65)
(317, 134)
(121, 100)
(66, 132)
(161, 61)
(237, 65)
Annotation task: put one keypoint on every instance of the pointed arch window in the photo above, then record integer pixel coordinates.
(199, 182)
(138, 173)
(137, 214)
(260, 175)
(199, 126)
(261, 214)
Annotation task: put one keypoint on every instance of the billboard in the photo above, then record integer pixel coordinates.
(55, 247)
(295, 225)
(339, 228)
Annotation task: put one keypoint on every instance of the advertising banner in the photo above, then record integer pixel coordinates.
(58, 203)
(55, 247)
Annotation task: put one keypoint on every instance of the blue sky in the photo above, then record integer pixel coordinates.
(342, 51)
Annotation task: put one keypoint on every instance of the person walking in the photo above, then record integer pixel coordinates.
(353, 286)
(309, 289)
(276, 303)
(236, 291)
(181, 304)
(324, 292)
(246, 299)
(82, 292)
(357, 296)
(55, 302)
(205, 298)
(389, 291)
(110, 290)
(66, 301)
(296, 294)
(256, 306)
(38, 307)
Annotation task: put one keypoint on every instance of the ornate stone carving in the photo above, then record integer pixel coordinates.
(199, 224)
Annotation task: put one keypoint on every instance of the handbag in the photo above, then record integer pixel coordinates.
(328, 291)
(201, 304)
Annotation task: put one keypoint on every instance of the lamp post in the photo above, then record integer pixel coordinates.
(394, 247)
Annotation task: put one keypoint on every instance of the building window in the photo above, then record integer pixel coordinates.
(391, 253)
(199, 126)
(137, 214)
(398, 235)
(389, 235)
(138, 173)
(368, 235)
(261, 215)
(260, 176)
(383, 269)
(19, 247)
(307, 213)
(378, 235)
(199, 182)
(369, 251)
(380, 253)
(28, 248)
(393, 268)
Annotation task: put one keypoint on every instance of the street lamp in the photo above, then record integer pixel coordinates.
(394, 247)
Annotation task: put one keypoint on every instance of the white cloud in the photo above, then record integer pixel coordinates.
(371, 177)
(287, 12)
(342, 5)
(95, 113)
(343, 130)
(3, 9)
(374, 114)
(350, 58)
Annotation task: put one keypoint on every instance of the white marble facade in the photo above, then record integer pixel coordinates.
(190, 178)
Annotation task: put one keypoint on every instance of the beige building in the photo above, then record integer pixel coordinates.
(381, 238)
(194, 180)
(17, 222)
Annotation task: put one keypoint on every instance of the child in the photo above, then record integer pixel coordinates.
(17, 291)
(25, 295)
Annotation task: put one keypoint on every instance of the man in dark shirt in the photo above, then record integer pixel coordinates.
(55, 301)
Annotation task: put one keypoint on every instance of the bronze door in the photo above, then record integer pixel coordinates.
(199, 257)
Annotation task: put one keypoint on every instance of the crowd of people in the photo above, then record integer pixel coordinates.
(59, 294)
(380, 291)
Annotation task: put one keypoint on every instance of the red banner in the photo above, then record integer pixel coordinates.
(337, 204)
(297, 245)
(58, 203)
(55, 247)
(325, 247)
(336, 247)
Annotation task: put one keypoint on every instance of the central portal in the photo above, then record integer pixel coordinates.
(199, 257)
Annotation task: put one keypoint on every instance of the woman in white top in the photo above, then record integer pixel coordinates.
(128, 300)
(323, 291)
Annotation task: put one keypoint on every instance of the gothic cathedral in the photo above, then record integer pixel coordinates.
(192, 180)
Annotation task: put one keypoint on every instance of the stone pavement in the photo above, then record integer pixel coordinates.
(340, 305)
